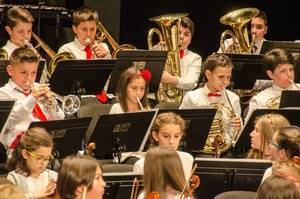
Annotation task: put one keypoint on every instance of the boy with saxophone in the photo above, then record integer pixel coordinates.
(84, 45)
(279, 66)
(22, 88)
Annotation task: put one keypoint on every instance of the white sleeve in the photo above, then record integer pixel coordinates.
(253, 105)
(138, 167)
(186, 102)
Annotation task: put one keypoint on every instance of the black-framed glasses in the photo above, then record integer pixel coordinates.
(273, 144)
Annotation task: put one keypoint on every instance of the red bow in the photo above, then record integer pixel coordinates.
(213, 95)
(181, 54)
(146, 74)
(102, 97)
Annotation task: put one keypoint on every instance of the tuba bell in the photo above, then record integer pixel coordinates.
(238, 20)
(3, 54)
(103, 34)
(169, 25)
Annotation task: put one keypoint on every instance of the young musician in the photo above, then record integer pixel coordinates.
(84, 45)
(132, 91)
(22, 88)
(217, 70)
(279, 66)
(19, 27)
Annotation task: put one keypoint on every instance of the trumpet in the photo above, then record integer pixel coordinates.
(70, 104)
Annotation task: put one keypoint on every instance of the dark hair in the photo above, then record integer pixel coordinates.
(23, 54)
(275, 57)
(126, 77)
(31, 140)
(83, 14)
(216, 60)
(289, 139)
(75, 171)
(262, 15)
(186, 22)
(17, 14)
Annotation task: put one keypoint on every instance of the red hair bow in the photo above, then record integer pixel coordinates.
(146, 74)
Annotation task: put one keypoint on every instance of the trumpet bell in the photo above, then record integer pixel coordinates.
(71, 104)
(240, 16)
(58, 57)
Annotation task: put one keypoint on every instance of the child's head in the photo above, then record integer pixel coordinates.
(217, 71)
(19, 25)
(186, 31)
(33, 152)
(79, 174)
(133, 84)
(85, 24)
(265, 127)
(285, 143)
(279, 65)
(259, 25)
(11, 191)
(22, 68)
(167, 130)
(163, 169)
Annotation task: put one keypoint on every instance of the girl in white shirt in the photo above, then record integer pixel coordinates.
(29, 161)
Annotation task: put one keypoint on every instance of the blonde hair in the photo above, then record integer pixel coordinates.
(162, 169)
(23, 55)
(17, 14)
(268, 124)
(84, 14)
(11, 191)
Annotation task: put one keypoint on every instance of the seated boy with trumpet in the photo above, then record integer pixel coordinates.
(28, 94)
(84, 45)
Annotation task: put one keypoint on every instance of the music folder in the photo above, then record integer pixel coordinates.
(4, 77)
(243, 143)
(293, 47)
(116, 133)
(247, 68)
(290, 98)
(198, 123)
(82, 77)
(149, 59)
(68, 135)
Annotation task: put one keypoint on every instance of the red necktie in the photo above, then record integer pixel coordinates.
(37, 111)
(181, 54)
(89, 52)
(213, 95)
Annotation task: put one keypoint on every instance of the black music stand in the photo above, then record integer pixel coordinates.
(198, 125)
(290, 98)
(68, 135)
(81, 76)
(4, 77)
(117, 133)
(292, 47)
(152, 60)
(246, 70)
(243, 143)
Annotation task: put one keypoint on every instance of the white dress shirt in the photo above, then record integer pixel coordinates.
(257, 45)
(21, 114)
(77, 49)
(10, 47)
(116, 109)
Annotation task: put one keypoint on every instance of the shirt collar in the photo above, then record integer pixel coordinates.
(278, 89)
(206, 90)
(78, 44)
(15, 86)
(11, 45)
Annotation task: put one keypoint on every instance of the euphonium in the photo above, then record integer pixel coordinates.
(55, 58)
(102, 34)
(238, 20)
(169, 25)
(3, 54)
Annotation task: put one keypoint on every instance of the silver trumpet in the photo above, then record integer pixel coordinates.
(70, 104)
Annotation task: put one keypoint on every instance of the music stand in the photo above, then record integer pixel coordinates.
(150, 59)
(243, 142)
(292, 47)
(68, 135)
(4, 77)
(198, 125)
(246, 70)
(289, 98)
(86, 77)
(117, 133)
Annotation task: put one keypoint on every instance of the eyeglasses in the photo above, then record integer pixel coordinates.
(39, 158)
(276, 145)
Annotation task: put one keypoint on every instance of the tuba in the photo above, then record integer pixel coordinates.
(238, 20)
(55, 58)
(169, 25)
(102, 34)
(3, 54)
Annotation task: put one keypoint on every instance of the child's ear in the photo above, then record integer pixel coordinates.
(270, 74)
(207, 74)
(8, 30)
(24, 153)
(74, 29)
(155, 135)
(9, 69)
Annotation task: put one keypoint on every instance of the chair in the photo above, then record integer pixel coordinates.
(236, 195)
(168, 105)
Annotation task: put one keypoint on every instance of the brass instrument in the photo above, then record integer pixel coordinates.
(3, 54)
(55, 58)
(103, 34)
(273, 103)
(238, 20)
(169, 25)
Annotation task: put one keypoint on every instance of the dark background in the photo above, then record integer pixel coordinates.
(128, 20)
